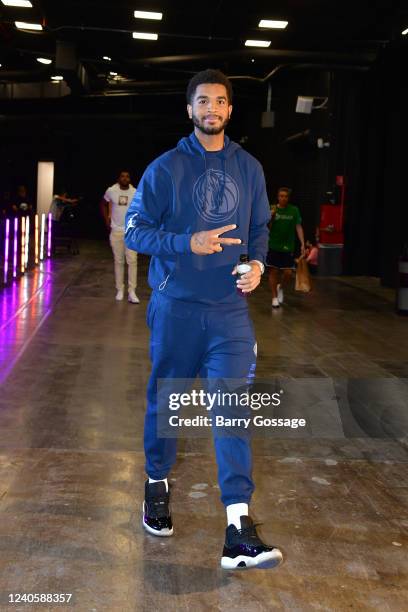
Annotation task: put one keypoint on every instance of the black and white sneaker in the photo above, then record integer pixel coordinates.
(243, 549)
(156, 511)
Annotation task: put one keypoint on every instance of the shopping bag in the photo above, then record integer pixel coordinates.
(303, 280)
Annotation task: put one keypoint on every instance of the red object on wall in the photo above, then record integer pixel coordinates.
(331, 217)
(340, 182)
(331, 222)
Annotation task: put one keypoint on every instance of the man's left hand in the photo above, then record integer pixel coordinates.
(250, 280)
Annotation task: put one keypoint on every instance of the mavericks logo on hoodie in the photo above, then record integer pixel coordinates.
(215, 196)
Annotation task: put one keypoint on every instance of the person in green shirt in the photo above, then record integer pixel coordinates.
(286, 222)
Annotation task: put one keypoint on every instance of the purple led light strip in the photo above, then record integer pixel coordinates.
(6, 251)
(15, 247)
(49, 235)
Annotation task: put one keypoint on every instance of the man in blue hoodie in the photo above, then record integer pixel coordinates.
(197, 208)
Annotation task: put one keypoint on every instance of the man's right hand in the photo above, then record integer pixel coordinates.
(206, 243)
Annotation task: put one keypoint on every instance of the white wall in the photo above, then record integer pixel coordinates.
(45, 186)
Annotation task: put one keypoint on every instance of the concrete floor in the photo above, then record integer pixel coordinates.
(74, 366)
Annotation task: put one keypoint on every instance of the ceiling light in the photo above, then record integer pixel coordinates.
(107, 58)
(113, 73)
(148, 15)
(405, 32)
(145, 36)
(273, 24)
(57, 78)
(44, 60)
(257, 43)
(21, 25)
(25, 3)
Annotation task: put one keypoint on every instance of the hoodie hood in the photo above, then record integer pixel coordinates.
(192, 146)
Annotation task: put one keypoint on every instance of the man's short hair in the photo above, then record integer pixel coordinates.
(208, 76)
(287, 189)
(123, 172)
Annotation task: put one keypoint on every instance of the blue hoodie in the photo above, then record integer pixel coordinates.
(187, 190)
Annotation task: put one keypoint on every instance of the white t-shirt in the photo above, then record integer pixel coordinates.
(120, 200)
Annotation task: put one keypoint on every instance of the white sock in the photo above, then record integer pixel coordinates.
(163, 480)
(234, 513)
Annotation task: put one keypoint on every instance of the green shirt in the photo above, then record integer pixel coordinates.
(283, 228)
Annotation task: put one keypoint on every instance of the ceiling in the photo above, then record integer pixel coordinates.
(192, 36)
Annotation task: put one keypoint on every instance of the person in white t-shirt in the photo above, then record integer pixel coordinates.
(114, 206)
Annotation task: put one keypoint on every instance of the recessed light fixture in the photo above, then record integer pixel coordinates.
(148, 15)
(22, 25)
(113, 73)
(57, 78)
(107, 58)
(405, 32)
(257, 43)
(273, 24)
(24, 3)
(44, 60)
(145, 36)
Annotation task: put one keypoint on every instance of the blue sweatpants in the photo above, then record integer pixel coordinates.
(190, 339)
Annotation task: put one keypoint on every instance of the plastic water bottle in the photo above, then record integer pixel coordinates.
(242, 268)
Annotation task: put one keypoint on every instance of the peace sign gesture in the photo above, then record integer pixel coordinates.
(208, 242)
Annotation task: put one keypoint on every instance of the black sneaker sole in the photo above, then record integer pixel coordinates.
(265, 560)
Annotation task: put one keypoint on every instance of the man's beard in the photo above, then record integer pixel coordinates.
(210, 131)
